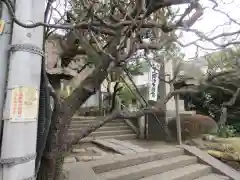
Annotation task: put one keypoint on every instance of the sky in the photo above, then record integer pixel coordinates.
(208, 22)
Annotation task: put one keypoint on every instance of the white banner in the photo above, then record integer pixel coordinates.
(153, 81)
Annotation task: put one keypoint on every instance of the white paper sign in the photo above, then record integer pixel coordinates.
(153, 81)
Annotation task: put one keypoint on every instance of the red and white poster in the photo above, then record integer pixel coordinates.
(24, 104)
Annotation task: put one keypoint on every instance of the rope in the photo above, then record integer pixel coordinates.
(17, 160)
(27, 48)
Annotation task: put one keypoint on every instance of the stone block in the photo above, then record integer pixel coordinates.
(69, 159)
(78, 150)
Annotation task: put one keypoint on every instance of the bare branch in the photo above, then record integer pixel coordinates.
(207, 85)
(213, 76)
(49, 4)
(86, 24)
(157, 108)
(153, 6)
(184, 90)
(232, 101)
(194, 17)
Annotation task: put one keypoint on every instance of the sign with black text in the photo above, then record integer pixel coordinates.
(153, 81)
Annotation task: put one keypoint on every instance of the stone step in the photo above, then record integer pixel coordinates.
(148, 169)
(98, 134)
(104, 128)
(84, 117)
(119, 137)
(120, 147)
(78, 123)
(190, 172)
(83, 121)
(213, 177)
(79, 171)
(105, 165)
(111, 133)
(93, 120)
(87, 125)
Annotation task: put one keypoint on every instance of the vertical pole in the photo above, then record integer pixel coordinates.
(5, 38)
(142, 127)
(100, 102)
(178, 120)
(21, 107)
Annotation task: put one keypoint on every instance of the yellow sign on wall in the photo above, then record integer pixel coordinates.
(2, 24)
(24, 104)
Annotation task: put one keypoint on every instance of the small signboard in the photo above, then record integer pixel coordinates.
(154, 81)
(24, 104)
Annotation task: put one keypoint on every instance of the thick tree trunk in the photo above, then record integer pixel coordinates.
(51, 168)
(76, 81)
(74, 140)
(48, 162)
(47, 169)
(56, 143)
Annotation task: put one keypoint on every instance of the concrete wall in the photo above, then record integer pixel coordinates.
(92, 101)
(155, 131)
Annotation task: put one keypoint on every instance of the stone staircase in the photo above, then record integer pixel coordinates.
(163, 164)
(115, 129)
(107, 157)
(136, 163)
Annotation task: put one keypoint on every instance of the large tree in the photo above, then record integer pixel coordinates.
(108, 33)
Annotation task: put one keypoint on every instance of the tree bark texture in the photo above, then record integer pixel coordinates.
(56, 144)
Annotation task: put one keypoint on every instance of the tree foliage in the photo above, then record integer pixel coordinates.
(222, 60)
(212, 97)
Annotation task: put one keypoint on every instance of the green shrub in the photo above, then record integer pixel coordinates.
(226, 131)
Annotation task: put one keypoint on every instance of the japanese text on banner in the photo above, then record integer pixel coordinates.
(24, 104)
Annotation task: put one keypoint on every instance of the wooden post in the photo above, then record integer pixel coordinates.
(178, 120)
